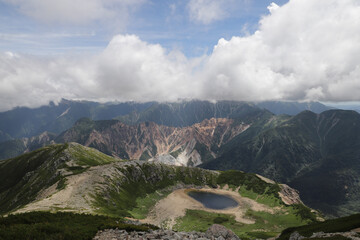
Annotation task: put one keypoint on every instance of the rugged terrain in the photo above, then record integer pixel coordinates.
(24, 122)
(318, 154)
(187, 146)
(70, 177)
(314, 153)
(16, 147)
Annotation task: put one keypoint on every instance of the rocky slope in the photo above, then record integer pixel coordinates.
(215, 232)
(70, 177)
(26, 122)
(318, 154)
(187, 146)
(13, 148)
(187, 113)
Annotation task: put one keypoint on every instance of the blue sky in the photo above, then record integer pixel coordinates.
(166, 50)
(166, 22)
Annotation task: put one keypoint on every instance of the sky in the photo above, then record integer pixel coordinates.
(166, 50)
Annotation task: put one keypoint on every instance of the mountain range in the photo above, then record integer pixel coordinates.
(316, 153)
(24, 122)
(73, 178)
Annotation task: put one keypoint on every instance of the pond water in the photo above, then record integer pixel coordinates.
(213, 200)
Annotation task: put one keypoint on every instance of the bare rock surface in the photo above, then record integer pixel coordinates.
(215, 232)
(318, 235)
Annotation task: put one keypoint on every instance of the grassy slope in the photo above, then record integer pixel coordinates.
(138, 186)
(23, 177)
(343, 224)
(58, 226)
(125, 195)
(315, 154)
(266, 225)
(142, 185)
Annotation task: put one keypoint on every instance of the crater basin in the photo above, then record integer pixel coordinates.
(213, 200)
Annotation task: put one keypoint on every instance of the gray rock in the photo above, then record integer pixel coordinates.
(296, 236)
(217, 230)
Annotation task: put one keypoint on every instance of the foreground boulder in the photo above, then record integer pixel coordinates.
(220, 232)
(215, 232)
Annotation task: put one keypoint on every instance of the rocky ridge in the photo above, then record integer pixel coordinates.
(319, 235)
(215, 232)
(187, 146)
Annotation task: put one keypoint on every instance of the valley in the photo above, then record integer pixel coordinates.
(135, 169)
(87, 181)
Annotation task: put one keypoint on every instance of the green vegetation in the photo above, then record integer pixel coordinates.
(304, 212)
(343, 224)
(336, 237)
(76, 169)
(123, 194)
(197, 220)
(145, 156)
(176, 153)
(24, 176)
(266, 224)
(85, 156)
(272, 223)
(11, 148)
(143, 205)
(249, 181)
(220, 220)
(59, 226)
(313, 153)
(136, 187)
(61, 184)
(266, 199)
(203, 151)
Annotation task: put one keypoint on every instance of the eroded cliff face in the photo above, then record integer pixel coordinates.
(149, 141)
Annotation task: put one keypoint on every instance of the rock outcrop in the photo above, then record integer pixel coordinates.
(187, 146)
(289, 195)
(319, 235)
(215, 232)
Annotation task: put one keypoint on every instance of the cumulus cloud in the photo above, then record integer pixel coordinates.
(208, 11)
(128, 69)
(303, 50)
(75, 11)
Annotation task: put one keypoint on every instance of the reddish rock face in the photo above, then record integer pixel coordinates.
(149, 140)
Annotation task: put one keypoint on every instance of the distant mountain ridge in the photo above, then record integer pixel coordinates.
(318, 154)
(24, 122)
(187, 146)
(73, 178)
(292, 108)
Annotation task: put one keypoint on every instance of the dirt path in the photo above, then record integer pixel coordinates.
(167, 210)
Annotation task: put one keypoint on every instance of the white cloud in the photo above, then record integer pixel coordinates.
(208, 11)
(75, 11)
(272, 7)
(303, 50)
(128, 69)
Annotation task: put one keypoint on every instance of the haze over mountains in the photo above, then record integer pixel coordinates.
(257, 100)
(308, 150)
(25, 122)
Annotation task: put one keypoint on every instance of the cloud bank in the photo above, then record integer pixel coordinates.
(303, 50)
